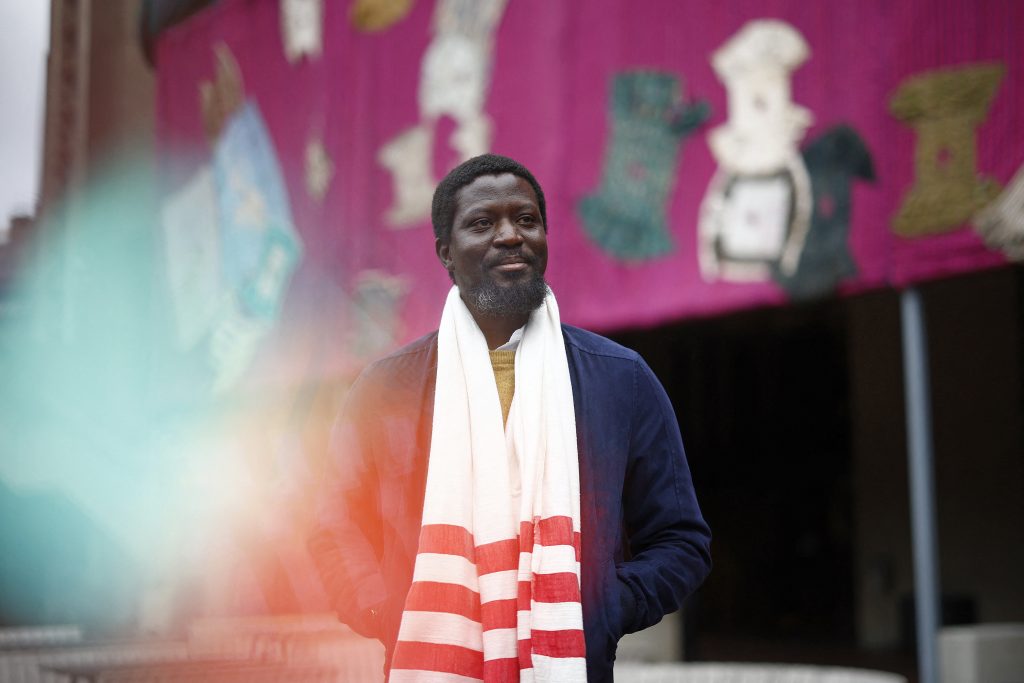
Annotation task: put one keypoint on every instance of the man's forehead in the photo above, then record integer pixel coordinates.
(494, 186)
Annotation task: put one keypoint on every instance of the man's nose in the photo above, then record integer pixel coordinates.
(507, 233)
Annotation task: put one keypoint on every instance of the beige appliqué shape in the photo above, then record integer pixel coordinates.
(319, 169)
(454, 77)
(757, 209)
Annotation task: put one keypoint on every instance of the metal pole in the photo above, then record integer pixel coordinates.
(922, 483)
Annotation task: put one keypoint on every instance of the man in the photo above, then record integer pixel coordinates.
(507, 496)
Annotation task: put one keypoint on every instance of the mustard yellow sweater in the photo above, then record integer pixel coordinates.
(504, 365)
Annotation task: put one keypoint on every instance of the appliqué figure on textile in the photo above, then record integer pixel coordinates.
(220, 98)
(833, 160)
(374, 312)
(231, 242)
(302, 28)
(377, 15)
(1001, 224)
(454, 78)
(260, 245)
(192, 247)
(626, 216)
(319, 169)
(945, 107)
(757, 209)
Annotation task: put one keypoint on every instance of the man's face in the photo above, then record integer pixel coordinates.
(497, 251)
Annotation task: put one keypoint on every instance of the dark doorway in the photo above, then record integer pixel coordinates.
(762, 399)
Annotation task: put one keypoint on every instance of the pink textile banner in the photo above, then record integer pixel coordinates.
(697, 158)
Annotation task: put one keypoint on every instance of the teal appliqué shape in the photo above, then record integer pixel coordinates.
(626, 215)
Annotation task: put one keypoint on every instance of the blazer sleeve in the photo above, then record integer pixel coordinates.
(668, 539)
(346, 541)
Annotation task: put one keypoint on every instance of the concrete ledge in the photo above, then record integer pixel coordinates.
(724, 672)
(983, 653)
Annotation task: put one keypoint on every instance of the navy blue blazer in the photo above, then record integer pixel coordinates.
(645, 545)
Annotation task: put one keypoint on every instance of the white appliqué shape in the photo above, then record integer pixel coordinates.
(757, 209)
(1001, 223)
(454, 76)
(302, 28)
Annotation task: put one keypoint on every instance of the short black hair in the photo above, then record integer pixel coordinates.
(442, 210)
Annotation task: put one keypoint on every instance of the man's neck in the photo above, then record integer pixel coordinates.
(498, 329)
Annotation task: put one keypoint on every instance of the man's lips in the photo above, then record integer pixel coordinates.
(512, 264)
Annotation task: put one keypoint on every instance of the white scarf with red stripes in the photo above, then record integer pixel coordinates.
(496, 585)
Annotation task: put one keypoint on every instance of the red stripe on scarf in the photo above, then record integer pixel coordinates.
(562, 587)
(549, 531)
(567, 643)
(446, 539)
(430, 596)
(525, 654)
(500, 556)
(502, 669)
(499, 614)
(451, 659)
(450, 598)
(525, 591)
(450, 539)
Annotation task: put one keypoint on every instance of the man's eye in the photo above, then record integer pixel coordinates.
(527, 220)
(481, 223)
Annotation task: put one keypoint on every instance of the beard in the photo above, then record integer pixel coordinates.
(521, 298)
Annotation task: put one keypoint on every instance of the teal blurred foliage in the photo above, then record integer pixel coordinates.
(91, 397)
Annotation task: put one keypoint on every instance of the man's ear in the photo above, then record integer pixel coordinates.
(443, 253)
